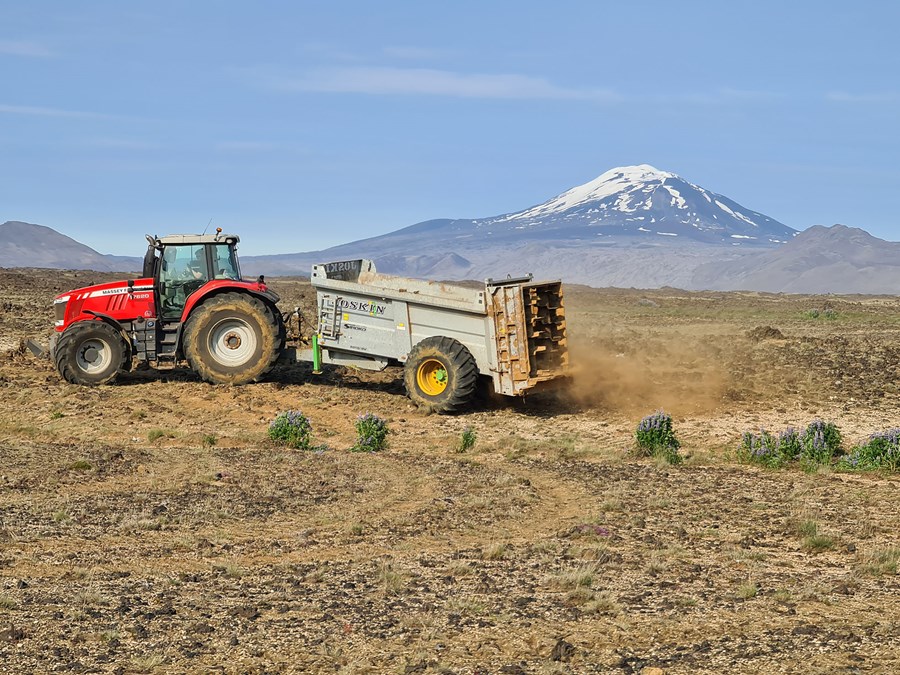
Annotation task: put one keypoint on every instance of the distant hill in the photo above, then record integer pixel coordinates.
(632, 226)
(837, 259)
(28, 245)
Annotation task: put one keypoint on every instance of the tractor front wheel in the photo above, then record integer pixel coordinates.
(441, 375)
(233, 338)
(90, 353)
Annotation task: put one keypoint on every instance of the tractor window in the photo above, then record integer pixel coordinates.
(225, 262)
(182, 271)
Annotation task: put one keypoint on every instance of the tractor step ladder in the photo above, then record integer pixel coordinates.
(330, 317)
(168, 340)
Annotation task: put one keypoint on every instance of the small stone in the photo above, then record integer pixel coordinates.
(513, 669)
(245, 612)
(562, 651)
(12, 634)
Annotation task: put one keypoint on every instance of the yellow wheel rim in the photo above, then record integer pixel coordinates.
(431, 377)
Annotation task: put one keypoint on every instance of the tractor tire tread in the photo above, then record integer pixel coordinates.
(271, 334)
(69, 340)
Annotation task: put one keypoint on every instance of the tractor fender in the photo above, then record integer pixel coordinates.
(217, 286)
(106, 318)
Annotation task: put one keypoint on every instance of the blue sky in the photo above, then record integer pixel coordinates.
(301, 125)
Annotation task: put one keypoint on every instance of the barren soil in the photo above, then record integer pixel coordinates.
(151, 526)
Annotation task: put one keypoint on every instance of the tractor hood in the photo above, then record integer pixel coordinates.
(100, 297)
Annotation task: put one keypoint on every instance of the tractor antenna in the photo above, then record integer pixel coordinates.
(207, 226)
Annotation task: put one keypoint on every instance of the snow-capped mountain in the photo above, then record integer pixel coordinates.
(630, 201)
(641, 200)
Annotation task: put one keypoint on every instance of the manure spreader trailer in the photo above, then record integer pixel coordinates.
(191, 305)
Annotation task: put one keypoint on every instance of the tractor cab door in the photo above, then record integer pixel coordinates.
(224, 262)
(182, 270)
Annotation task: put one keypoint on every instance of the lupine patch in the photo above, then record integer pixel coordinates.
(880, 451)
(655, 435)
(371, 433)
(293, 429)
(818, 444)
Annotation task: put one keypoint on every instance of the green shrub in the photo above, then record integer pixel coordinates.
(655, 436)
(880, 451)
(466, 440)
(768, 450)
(156, 434)
(818, 444)
(828, 314)
(293, 429)
(371, 433)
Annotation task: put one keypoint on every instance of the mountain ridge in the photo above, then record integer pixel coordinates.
(633, 226)
(29, 245)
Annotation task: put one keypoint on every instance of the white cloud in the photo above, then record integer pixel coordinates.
(413, 53)
(724, 96)
(871, 97)
(748, 94)
(245, 146)
(24, 48)
(405, 81)
(36, 111)
(121, 144)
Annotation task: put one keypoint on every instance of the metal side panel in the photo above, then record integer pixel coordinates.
(359, 323)
(469, 328)
(369, 283)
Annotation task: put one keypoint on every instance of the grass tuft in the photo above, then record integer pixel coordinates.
(881, 562)
(466, 440)
(747, 590)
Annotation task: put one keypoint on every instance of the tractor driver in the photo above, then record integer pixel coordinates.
(196, 268)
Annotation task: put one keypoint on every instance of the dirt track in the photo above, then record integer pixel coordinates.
(547, 548)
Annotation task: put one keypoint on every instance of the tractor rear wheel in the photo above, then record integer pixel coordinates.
(441, 375)
(90, 353)
(233, 338)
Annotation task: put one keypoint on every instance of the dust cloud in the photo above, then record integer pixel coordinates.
(681, 376)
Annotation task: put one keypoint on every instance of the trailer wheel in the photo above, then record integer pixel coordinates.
(233, 338)
(90, 353)
(440, 375)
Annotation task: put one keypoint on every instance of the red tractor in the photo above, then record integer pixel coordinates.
(189, 304)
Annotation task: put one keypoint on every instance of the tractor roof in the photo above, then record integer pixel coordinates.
(187, 239)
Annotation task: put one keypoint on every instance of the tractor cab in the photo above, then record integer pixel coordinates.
(182, 264)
